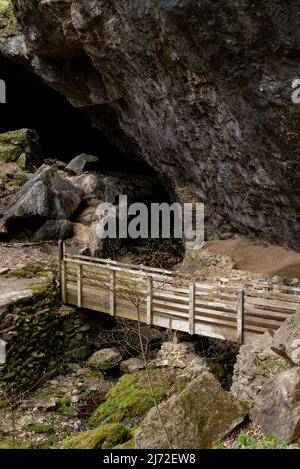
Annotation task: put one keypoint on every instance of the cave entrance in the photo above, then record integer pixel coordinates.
(64, 131)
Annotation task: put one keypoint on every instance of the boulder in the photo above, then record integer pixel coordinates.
(104, 359)
(286, 341)
(178, 355)
(256, 363)
(22, 147)
(86, 216)
(132, 364)
(46, 195)
(278, 406)
(55, 164)
(106, 436)
(81, 234)
(102, 247)
(90, 184)
(199, 417)
(54, 230)
(81, 163)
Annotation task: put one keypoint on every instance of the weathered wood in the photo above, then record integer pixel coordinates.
(79, 286)
(240, 317)
(112, 293)
(149, 301)
(109, 262)
(226, 309)
(192, 309)
(62, 270)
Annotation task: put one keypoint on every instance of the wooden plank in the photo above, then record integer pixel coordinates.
(112, 293)
(61, 268)
(109, 262)
(63, 281)
(149, 301)
(161, 278)
(192, 309)
(79, 286)
(240, 317)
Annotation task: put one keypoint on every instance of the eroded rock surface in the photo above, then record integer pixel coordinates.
(199, 417)
(46, 195)
(104, 359)
(201, 90)
(278, 406)
(256, 364)
(286, 340)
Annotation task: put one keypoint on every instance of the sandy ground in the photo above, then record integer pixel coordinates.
(257, 258)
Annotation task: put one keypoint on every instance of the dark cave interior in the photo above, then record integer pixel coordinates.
(64, 130)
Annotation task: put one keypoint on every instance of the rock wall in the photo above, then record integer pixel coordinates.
(39, 335)
(201, 90)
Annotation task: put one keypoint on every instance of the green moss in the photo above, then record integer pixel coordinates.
(14, 444)
(3, 404)
(28, 271)
(96, 374)
(20, 146)
(130, 398)
(38, 289)
(39, 428)
(64, 406)
(4, 4)
(107, 436)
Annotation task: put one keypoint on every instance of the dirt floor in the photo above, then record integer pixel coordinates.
(257, 258)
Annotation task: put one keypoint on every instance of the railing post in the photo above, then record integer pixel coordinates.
(192, 308)
(149, 301)
(240, 316)
(62, 271)
(112, 293)
(79, 285)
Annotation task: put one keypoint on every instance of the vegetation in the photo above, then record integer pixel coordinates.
(129, 400)
(246, 441)
(4, 4)
(107, 436)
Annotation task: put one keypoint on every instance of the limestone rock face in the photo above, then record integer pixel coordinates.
(46, 195)
(286, 340)
(201, 90)
(199, 417)
(256, 363)
(278, 406)
(105, 359)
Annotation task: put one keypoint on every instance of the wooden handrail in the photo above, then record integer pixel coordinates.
(231, 310)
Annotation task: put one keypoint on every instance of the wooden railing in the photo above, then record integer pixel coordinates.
(236, 311)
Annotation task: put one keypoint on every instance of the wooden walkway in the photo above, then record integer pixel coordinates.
(223, 309)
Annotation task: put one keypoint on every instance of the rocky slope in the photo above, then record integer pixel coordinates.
(201, 90)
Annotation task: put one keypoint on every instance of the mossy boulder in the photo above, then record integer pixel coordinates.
(21, 147)
(39, 428)
(106, 436)
(199, 417)
(130, 399)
